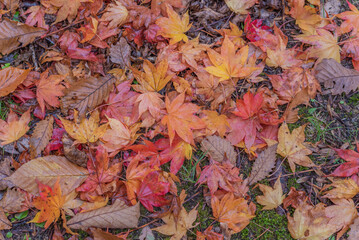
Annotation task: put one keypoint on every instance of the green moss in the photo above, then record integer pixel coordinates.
(292, 182)
(354, 99)
(275, 223)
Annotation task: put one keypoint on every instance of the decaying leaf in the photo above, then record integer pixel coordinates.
(10, 78)
(4, 222)
(14, 34)
(5, 171)
(354, 230)
(13, 201)
(98, 234)
(47, 170)
(117, 215)
(87, 94)
(272, 197)
(73, 154)
(337, 78)
(240, 6)
(263, 164)
(41, 136)
(219, 149)
(342, 188)
(116, 13)
(120, 53)
(291, 147)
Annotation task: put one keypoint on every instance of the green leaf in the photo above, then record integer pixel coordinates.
(9, 234)
(40, 224)
(312, 110)
(22, 215)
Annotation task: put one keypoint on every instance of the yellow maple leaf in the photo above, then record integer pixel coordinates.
(272, 197)
(229, 63)
(342, 188)
(291, 147)
(174, 27)
(325, 45)
(85, 131)
(14, 128)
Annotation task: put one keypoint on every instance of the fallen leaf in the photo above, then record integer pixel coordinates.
(337, 78)
(5, 171)
(209, 234)
(116, 13)
(13, 201)
(41, 136)
(73, 154)
(272, 197)
(67, 10)
(263, 164)
(350, 20)
(117, 215)
(10, 78)
(354, 230)
(178, 229)
(120, 53)
(98, 234)
(85, 130)
(117, 136)
(13, 34)
(47, 170)
(219, 149)
(294, 198)
(233, 211)
(216, 123)
(87, 94)
(4, 222)
(342, 188)
(174, 27)
(291, 147)
(180, 119)
(240, 6)
(14, 128)
(351, 166)
(146, 234)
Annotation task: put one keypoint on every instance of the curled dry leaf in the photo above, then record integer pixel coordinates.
(219, 149)
(13, 201)
(13, 34)
(72, 153)
(294, 198)
(342, 188)
(120, 53)
(41, 136)
(337, 78)
(47, 170)
(263, 164)
(5, 171)
(118, 215)
(272, 197)
(87, 94)
(10, 78)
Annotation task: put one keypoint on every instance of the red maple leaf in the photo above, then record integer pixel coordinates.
(350, 167)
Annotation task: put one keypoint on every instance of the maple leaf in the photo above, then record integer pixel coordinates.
(233, 211)
(178, 229)
(174, 27)
(215, 123)
(209, 234)
(14, 128)
(234, 34)
(85, 130)
(325, 45)
(294, 198)
(101, 173)
(291, 147)
(67, 9)
(351, 20)
(11, 78)
(342, 188)
(180, 119)
(272, 197)
(116, 13)
(36, 16)
(240, 6)
(229, 63)
(49, 89)
(89, 30)
(152, 191)
(191, 52)
(351, 166)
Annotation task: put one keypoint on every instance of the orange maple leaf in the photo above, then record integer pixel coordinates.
(174, 27)
(351, 20)
(14, 128)
(230, 63)
(49, 89)
(180, 119)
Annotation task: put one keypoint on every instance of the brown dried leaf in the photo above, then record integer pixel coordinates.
(72, 153)
(13, 33)
(98, 234)
(41, 136)
(10, 78)
(219, 149)
(47, 170)
(118, 215)
(336, 77)
(263, 165)
(12, 201)
(354, 230)
(5, 171)
(86, 94)
(11, 5)
(4, 222)
(120, 53)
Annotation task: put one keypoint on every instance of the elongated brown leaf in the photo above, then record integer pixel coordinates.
(72, 153)
(47, 170)
(41, 136)
(219, 149)
(336, 77)
(14, 34)
(4, 222)
(263, 165)
(10, 78)
(120, 53)
(118, 215)
(87, 94)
